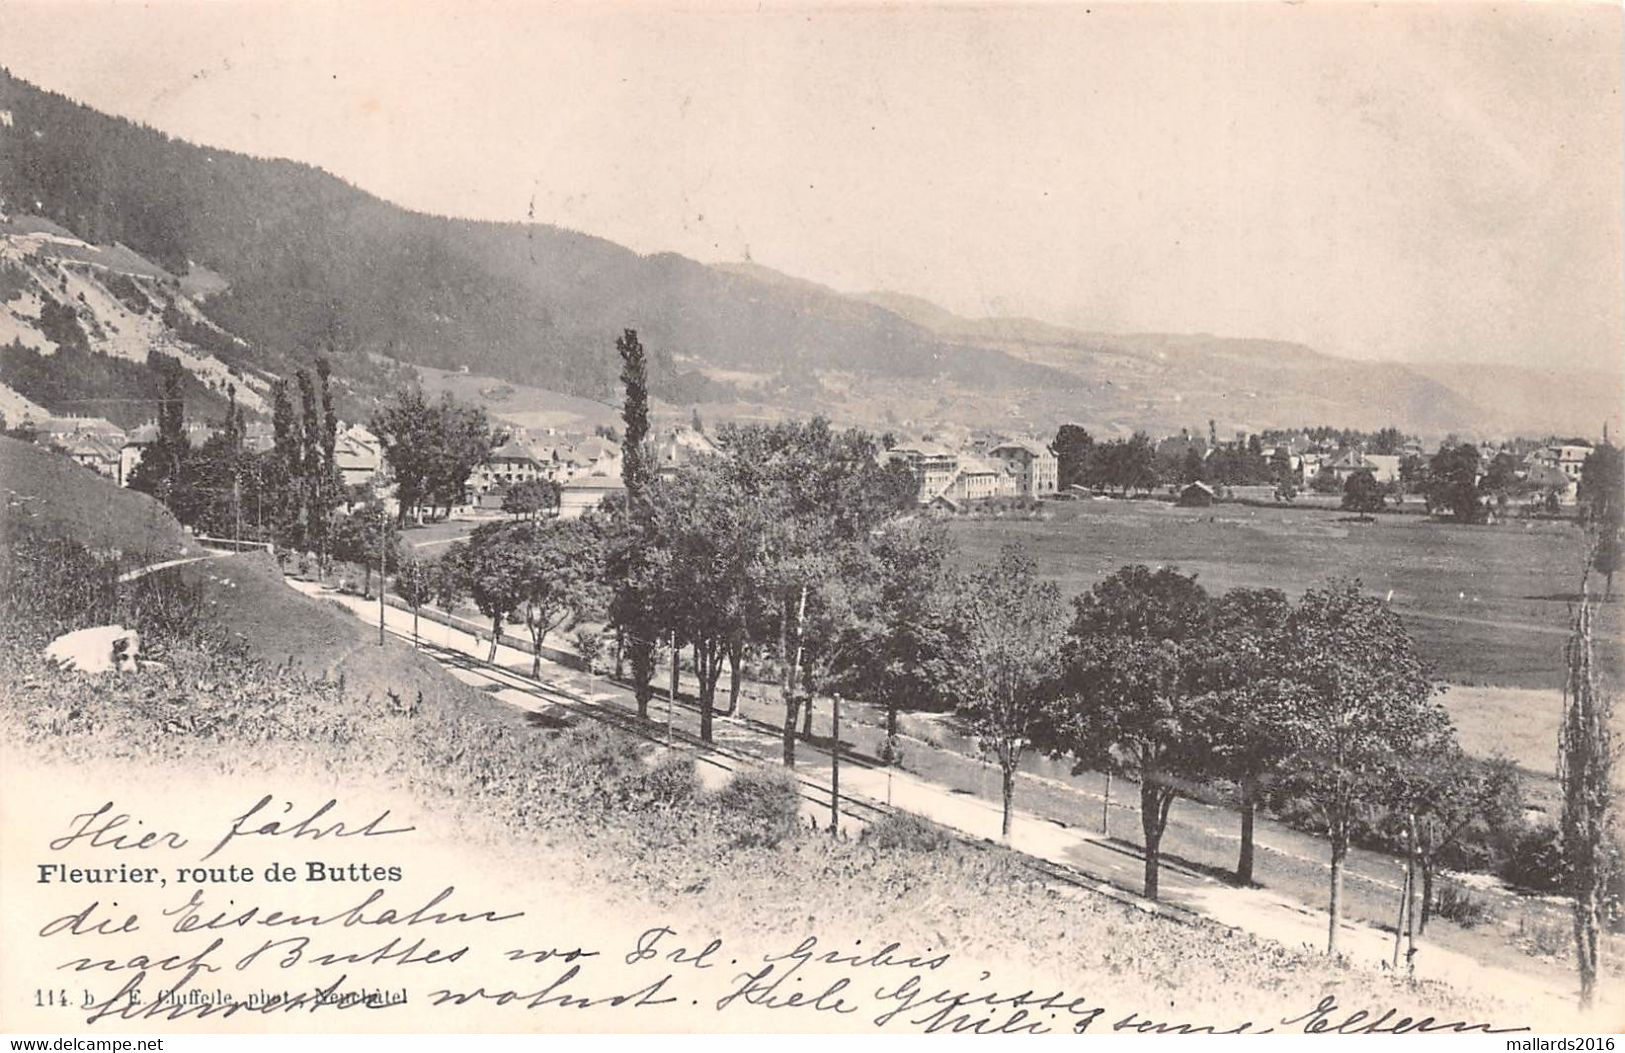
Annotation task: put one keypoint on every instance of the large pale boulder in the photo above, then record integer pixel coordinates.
(99, 649)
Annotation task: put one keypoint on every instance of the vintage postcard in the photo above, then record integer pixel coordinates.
(799, 517)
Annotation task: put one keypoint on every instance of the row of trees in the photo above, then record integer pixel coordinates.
(1120, 464)
(1324, 701)
(791, 550)
(293, 494)
(288, 493)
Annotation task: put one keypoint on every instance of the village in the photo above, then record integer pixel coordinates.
(982, 472)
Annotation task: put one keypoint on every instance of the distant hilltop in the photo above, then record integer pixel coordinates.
(246, 268)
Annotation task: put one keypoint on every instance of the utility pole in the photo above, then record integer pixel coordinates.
(835, 768)
(671, 696)
(383, 533)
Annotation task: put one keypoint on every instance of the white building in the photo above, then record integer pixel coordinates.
(933, 466)
(1034, 465)
(1567, 458)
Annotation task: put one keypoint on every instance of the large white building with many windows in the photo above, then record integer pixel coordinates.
(1034, 465)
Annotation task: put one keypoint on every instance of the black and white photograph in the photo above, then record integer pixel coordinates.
(811, 517)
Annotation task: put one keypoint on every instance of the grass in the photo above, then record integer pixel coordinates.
(1487, 605)
(48, 493)
(243, 599)
(531, 407)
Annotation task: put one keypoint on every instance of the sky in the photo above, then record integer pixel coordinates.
(1412, 182)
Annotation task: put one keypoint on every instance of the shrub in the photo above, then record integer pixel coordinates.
(760, 807)
(671, 783)
(1535, 861)
(1551, 937)
(906, 832)
(1460, 907)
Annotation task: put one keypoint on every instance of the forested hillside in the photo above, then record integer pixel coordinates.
(315, 265)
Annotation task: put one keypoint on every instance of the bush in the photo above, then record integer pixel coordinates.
(1460, 907)
(760, 807)
(671, 783)
(1535, 861)
(906, 832)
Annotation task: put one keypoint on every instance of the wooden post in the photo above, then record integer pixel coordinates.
(383, 532)
(1399, 920)
(835, 768)
(1410, 895)
(671, 697)
(1106, 809)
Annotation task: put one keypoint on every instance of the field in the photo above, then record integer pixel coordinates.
(531, 407)
(1487, 605)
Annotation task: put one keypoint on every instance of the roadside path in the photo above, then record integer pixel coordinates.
(1261, 912)
(150, 568)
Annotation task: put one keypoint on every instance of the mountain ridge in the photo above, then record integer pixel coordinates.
(307, 264)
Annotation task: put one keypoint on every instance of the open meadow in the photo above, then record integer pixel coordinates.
(1487, 605)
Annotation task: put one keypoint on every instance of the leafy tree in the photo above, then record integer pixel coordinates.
(531, 498)
(1123, 464)
(1452, 482)
(636, 565)
(1245, 710)
(415, 583)
(325, 485)
(1325, 482)
(288, 463)
(632, 563)
(1008, 625)
(1072, 446)
(494, 566)
(431, 448)
(1500, 478)
(1413, 473)
(561, 576)
(1439, 796)
(1387, 441)
(1132, 665)
(822, 493)
(715, 536)
(899, 650)
(464, 442)
(637, 467)
(1586, 755)
(357, 537)
(310, 458)
(447, 583)
(1363, 700)
(1362, 493)
(159, 471)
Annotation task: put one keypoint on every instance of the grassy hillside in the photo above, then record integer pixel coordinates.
(46, 492)
(243, 598)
